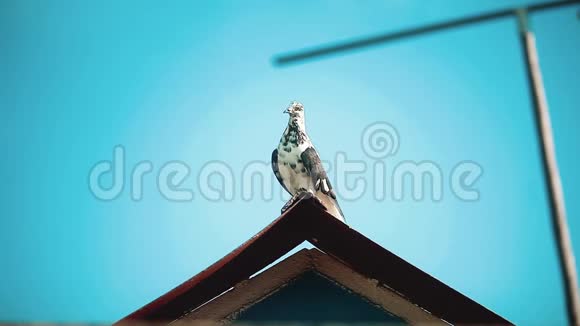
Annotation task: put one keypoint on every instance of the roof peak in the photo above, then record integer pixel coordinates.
(306, 220)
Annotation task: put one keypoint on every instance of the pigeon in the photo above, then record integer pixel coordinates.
(297, 165)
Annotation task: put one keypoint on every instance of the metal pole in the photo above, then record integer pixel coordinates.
(551, 173)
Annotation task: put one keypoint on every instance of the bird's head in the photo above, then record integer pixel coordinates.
(296, 112)
(295, 109)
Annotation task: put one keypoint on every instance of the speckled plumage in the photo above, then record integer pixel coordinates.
(297, 165)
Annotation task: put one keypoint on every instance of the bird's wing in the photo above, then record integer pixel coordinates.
(276, 171)
(313, 165)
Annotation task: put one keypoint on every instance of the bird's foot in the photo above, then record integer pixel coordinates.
(290, 203)
(302, 194)
(305, 194)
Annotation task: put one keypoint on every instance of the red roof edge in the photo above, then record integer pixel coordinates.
(370, 259)
(307, 220)
(278, 238)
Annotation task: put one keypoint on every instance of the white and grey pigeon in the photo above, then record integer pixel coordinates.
(297, 165)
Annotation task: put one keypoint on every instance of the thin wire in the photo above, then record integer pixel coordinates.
(341, 47)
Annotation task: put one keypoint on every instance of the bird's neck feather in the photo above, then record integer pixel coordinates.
(296, 123)
(297, 129)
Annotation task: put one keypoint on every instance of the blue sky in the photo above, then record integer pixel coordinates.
(194, 82)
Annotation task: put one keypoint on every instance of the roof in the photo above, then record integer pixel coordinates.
(245, 294)
(308, 221)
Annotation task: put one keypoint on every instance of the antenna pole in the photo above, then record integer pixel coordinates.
(551, 173)
(541, 114)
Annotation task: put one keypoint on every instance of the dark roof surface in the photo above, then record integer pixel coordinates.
(307, 221)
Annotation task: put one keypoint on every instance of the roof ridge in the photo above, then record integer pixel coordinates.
(307, 221)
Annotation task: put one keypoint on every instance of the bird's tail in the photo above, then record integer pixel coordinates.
(331, 206)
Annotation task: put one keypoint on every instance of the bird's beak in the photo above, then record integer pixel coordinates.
(286, 111)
